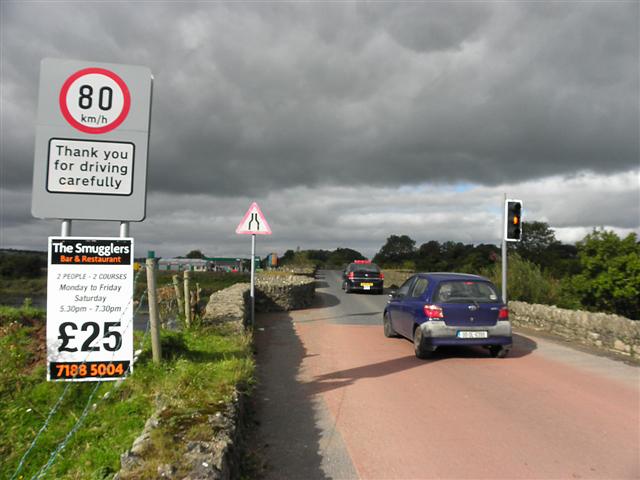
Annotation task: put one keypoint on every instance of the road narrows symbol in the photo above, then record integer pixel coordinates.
(254, 222)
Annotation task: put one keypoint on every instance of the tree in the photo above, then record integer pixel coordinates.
(195, 254)
(610, 276)
(341, 256)
(428, 257)
(396, 250)
(287, 257)
(537, 237)
(21, 265)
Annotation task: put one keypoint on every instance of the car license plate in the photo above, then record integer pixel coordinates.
(473, 334)
(366, 286)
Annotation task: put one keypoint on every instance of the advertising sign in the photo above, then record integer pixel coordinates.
(89, 308)
(92, 138)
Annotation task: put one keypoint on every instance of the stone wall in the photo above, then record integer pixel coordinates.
(284, 292)
(231, 305)
(309, 271)
(609, 332)
(274, 293)
(216, 459)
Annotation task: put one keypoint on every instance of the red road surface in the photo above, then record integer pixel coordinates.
(546, 412)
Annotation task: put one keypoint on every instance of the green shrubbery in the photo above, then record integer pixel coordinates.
(609, 280)
(201, 369)
(527, 282)
(599, 273)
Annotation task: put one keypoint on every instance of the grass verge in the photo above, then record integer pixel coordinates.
(198, 375)
(23, 286)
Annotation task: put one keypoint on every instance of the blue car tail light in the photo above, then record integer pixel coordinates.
(432, 312)
(504, 314)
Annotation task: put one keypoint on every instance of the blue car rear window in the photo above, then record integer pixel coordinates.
(465, 291)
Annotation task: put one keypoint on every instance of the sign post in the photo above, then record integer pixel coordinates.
(253, 223)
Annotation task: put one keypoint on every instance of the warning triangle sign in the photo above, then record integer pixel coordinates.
(254, 222)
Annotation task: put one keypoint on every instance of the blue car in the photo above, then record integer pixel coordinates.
(434, 309)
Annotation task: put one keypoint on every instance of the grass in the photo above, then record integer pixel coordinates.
(23, 286)
(199, 372)
(209, 282)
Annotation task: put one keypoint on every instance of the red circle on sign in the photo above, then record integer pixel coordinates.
(84, 128)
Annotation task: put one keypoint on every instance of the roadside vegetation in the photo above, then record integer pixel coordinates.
(209, 282)
(599, 273)
(22, 272)
(200, 370)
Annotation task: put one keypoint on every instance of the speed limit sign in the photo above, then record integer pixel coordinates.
(92, 138)
(95, 100)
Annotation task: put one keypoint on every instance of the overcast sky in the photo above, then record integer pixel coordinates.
(348, 122)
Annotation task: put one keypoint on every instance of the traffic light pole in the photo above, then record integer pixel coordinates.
(504, 252)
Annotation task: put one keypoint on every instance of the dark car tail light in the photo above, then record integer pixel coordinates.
(350, 275)
(381, 276)
(433, 311)
(504, 314)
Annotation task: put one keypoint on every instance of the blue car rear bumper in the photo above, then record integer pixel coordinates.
(440, 341)
(438, 333)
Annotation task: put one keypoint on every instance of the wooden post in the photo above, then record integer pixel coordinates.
(156, 348)
(179, 298)
(187, 300)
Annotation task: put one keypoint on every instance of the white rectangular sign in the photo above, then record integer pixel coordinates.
(89, 308)
(91, 143)
(90, 166)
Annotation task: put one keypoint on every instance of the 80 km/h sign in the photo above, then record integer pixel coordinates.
(95, 100)
(92, 134)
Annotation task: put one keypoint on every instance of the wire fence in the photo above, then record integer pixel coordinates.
(62, 444)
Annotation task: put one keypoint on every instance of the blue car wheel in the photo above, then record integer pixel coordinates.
(421, 349)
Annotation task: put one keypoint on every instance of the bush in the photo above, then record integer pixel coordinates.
(526, 282)
(610, 276)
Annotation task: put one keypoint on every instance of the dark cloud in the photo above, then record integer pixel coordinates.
(259, 100)
(381, 93)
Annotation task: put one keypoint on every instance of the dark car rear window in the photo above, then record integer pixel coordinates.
(364, 267)
(466, 291)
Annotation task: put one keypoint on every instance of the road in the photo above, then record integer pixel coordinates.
(336, 399)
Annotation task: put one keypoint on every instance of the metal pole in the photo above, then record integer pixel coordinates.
(504, 251)
(253, 278)
(156, 348)
(124, 229)
(66, 228)
(187, 300)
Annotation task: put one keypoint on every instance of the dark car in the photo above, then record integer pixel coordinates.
(434, 309)
(362, 275)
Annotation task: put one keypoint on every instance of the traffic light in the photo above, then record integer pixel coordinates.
(513, 220)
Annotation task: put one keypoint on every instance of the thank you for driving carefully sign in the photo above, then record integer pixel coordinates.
(92, 139)
(89, 308)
